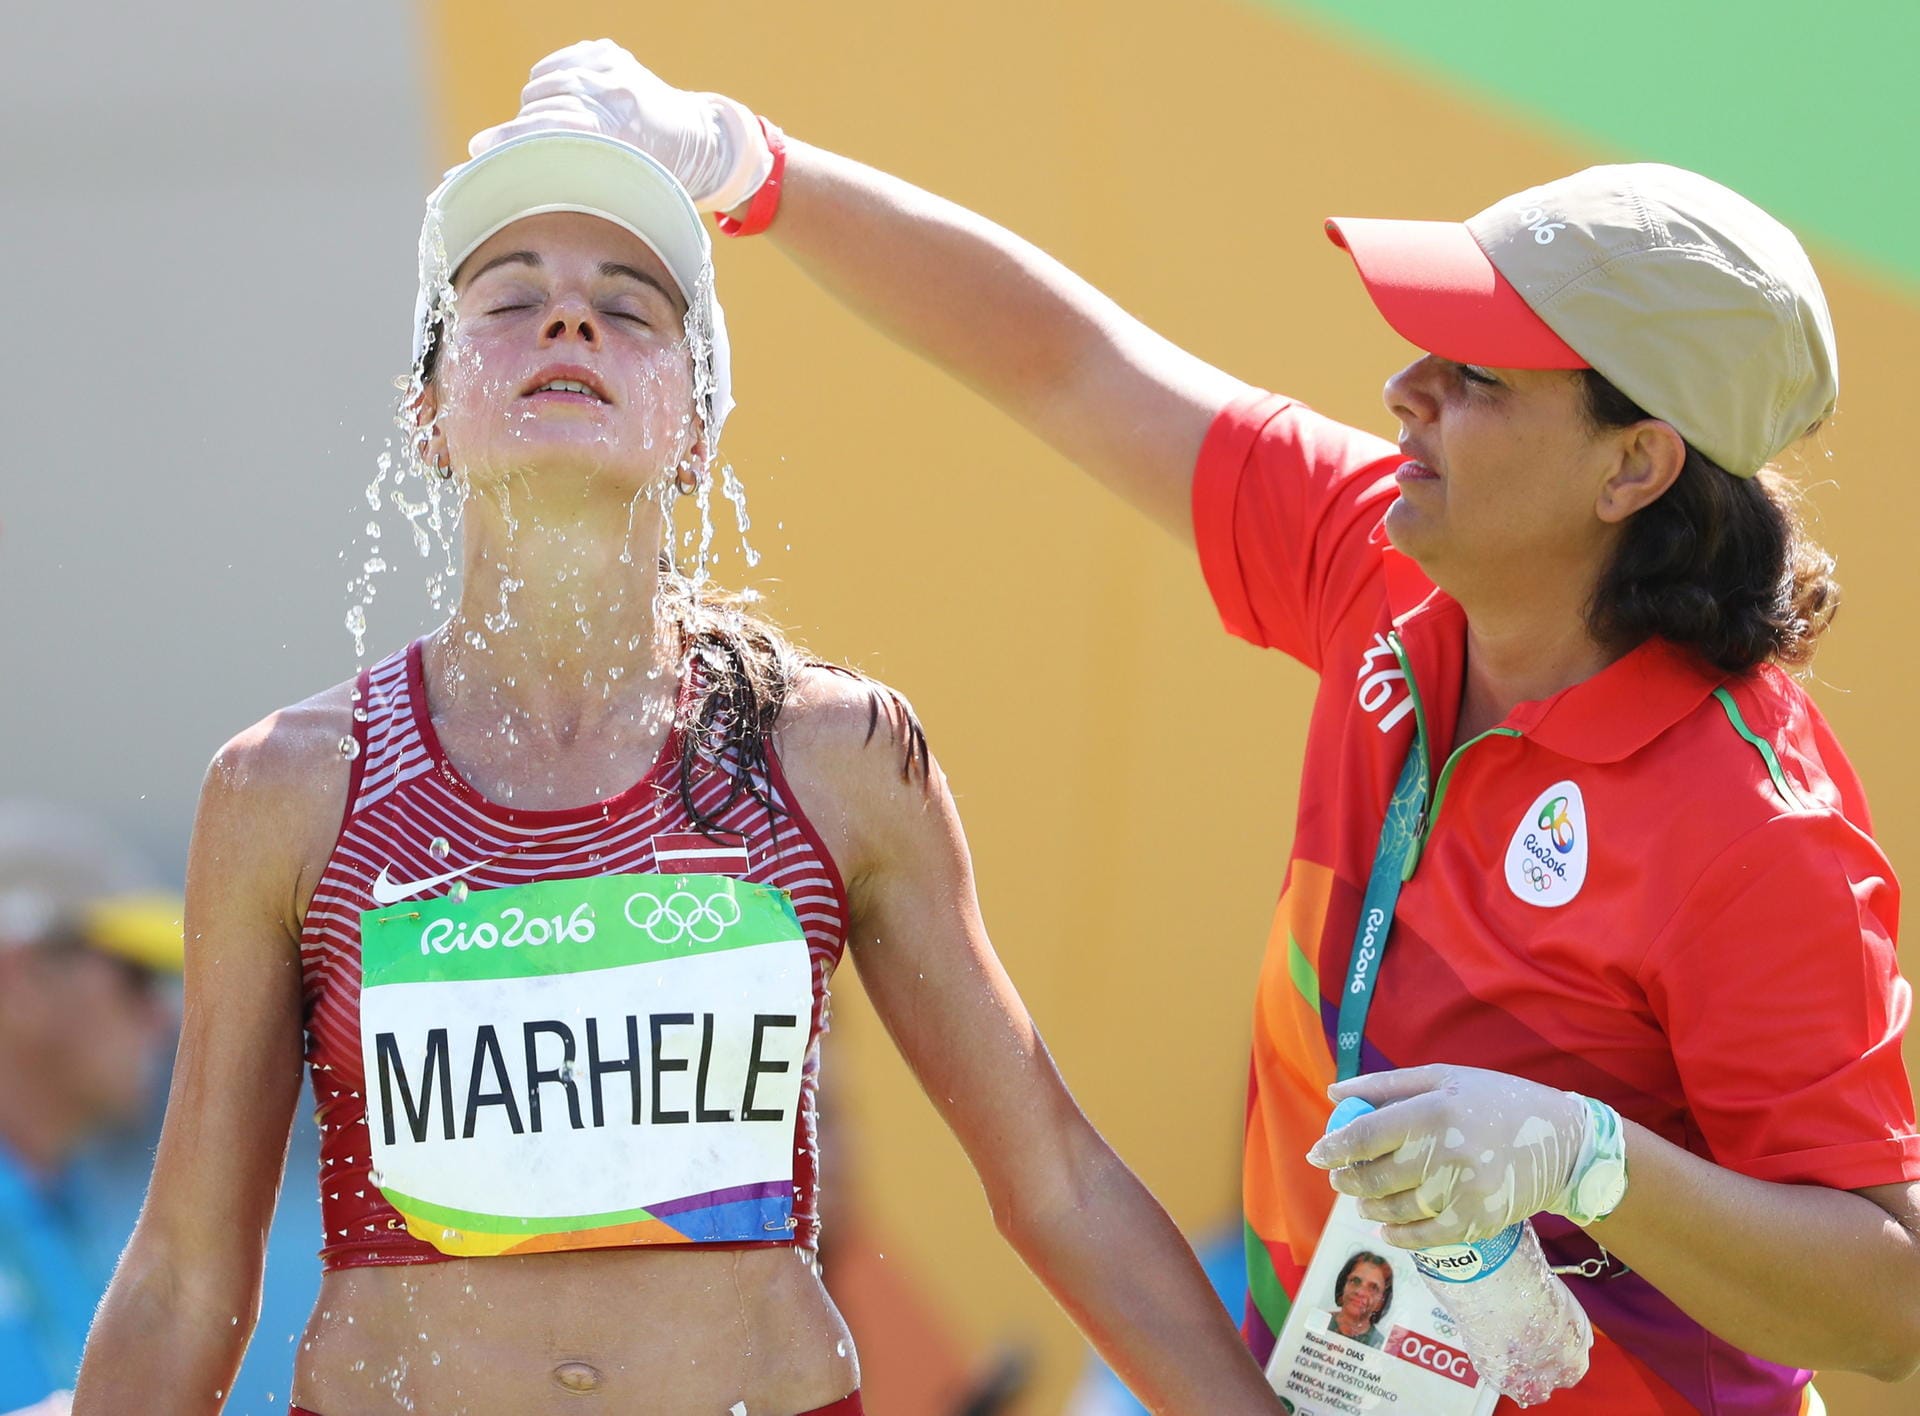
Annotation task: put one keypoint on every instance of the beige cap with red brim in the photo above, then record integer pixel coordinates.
(1436, 287)
(1684, 295)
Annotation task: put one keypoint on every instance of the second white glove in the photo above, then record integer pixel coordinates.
(1454, 1153)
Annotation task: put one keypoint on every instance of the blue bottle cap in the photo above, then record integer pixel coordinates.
(1346, 1111)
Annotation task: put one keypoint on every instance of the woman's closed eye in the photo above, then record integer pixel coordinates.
(508, 301)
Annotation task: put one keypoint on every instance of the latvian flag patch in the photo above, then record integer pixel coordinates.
(693, 853)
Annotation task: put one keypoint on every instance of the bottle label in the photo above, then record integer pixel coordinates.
(1468, 1263)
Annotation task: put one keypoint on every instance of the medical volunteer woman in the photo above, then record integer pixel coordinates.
(556, 892)
(1671, 1035)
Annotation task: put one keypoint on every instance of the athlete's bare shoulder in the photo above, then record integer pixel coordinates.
(275, 794)
(857, 758)
(855, 727)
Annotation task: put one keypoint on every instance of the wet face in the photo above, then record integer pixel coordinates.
(568, 358)
(1361, 1294)
(1508, 487)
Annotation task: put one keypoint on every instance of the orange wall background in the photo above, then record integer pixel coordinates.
(1127, 772)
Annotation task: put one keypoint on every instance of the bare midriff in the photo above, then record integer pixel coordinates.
(674, 1332)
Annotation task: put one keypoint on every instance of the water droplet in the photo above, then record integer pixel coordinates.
(349, 748)
(458, 892)
(439, 846)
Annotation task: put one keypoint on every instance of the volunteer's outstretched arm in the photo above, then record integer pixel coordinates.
(1039, 342)
(175, 1322)
(990, 308)
(1078, 1217)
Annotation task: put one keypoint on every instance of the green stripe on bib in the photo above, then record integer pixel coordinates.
(569, 926)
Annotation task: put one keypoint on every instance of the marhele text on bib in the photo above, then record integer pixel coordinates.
(574, 1064)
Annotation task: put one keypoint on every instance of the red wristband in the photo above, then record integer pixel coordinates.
(766, 201)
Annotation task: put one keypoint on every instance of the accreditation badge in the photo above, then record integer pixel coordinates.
(575, 1064)
(1365, 1335)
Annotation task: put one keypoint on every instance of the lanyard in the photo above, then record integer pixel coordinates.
(1404, 811)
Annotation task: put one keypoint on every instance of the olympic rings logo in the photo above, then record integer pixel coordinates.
(1541, 879)
(683, 915)
(1558, 824)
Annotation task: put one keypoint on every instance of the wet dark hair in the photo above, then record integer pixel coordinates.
(430, 346)
(745, 669)
(1719, 564)
(1346, 1271)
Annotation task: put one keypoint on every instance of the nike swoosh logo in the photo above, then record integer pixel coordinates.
(387, 891)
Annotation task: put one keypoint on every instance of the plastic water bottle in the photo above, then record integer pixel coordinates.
(1523, 1328)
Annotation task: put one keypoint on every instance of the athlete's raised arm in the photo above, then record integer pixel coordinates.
(1066, 1203)
(991, 309)
(175, 1322)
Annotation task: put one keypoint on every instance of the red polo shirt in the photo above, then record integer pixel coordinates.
(1656, 887)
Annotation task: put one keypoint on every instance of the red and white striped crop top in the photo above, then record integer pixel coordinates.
(413, 819)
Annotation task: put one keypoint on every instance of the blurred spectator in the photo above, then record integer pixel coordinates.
(88, 956)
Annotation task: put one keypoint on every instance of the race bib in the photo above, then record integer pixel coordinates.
(576, 1064)
(1365, 1335)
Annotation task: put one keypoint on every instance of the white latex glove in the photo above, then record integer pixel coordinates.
(1453, 1153)
(712, 144)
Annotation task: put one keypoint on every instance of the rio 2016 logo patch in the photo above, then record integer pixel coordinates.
(1547, 857)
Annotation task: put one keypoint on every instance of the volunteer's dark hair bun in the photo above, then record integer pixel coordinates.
(1720, 564)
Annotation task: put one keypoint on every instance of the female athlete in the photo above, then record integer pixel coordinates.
(555, 894)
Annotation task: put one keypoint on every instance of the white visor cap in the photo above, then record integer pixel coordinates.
(599, 176)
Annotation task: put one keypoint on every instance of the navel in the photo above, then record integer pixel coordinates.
(578, 1377)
